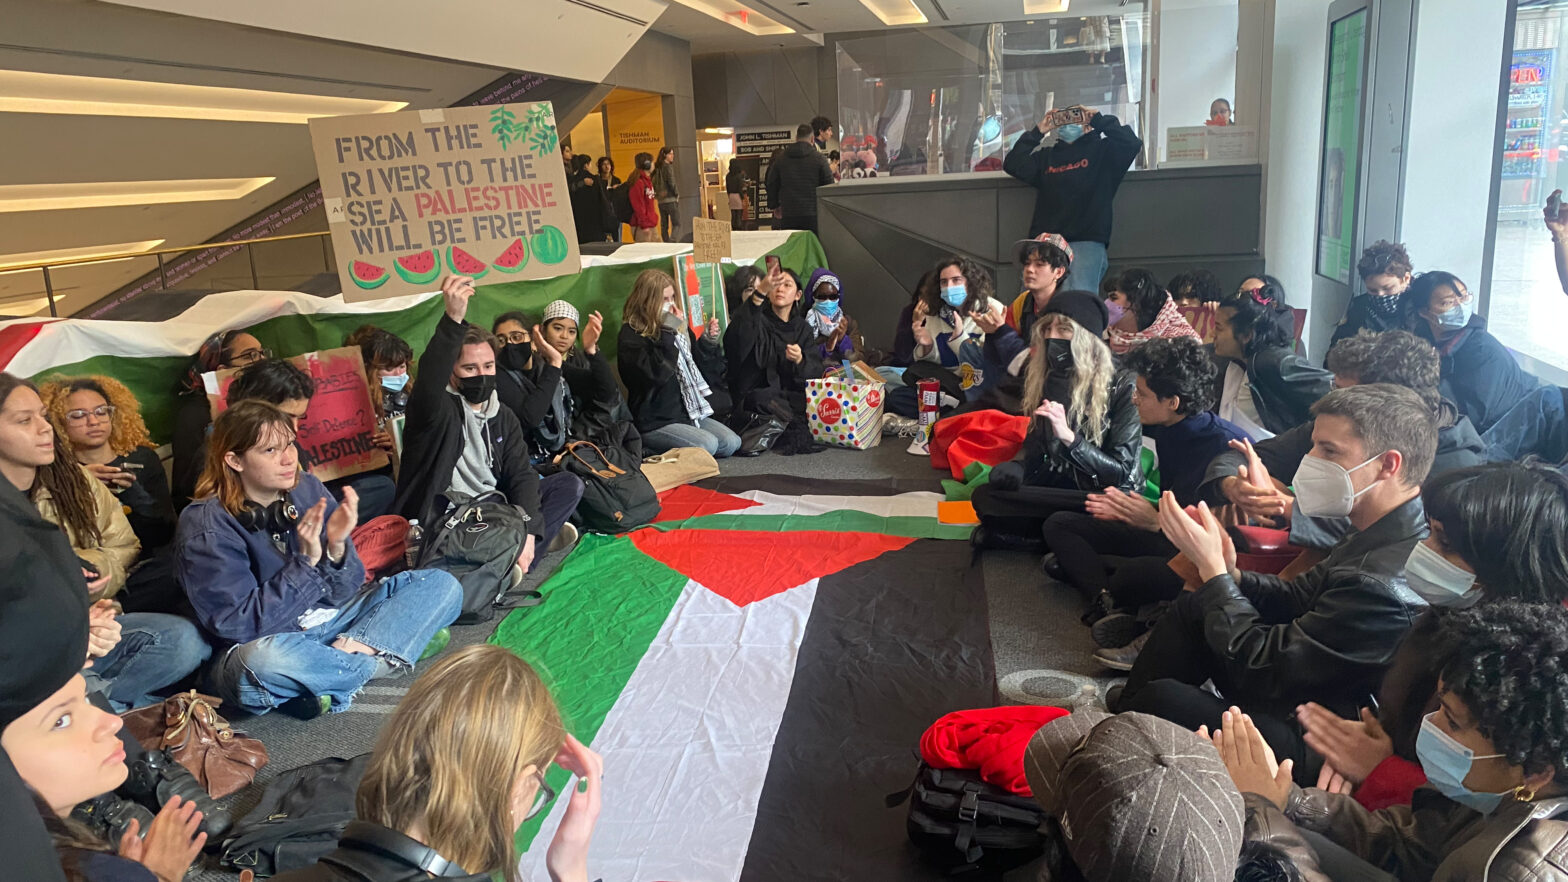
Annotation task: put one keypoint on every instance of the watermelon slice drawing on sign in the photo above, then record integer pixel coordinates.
(418, 269)
(368, 275)
(513, 259)
(465, 264)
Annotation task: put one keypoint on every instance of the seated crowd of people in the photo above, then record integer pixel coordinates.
(1349, 578)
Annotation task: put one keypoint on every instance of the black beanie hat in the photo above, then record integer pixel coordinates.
(1082, 307)
(43, 607)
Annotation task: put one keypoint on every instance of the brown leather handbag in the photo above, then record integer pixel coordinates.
(189, 727)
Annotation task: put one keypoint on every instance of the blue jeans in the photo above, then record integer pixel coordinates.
(558, 497)
(1089, 262)
(712, 436)
(396, 617)
(1538, 424)
(155, 651)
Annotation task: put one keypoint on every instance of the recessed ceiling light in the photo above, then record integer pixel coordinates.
(105, 194)
(1037, 7)
(30, 92)
(738, 15)
(896, 12)
(8, 262)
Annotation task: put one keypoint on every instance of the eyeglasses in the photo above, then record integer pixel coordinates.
(819, 296)
(542, 797)
(250, 356)
(79, 416)
(516, 337)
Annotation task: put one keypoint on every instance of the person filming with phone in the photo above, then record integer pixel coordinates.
(1076, 178)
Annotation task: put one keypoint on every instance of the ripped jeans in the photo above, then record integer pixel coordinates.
(396, 616)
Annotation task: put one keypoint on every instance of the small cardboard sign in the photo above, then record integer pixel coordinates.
(335, 437)
(413, 196)
(710, 239)
(1202, 320)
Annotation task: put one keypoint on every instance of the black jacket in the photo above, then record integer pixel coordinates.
(1327, 635)
(793, 178)
(1115, 462)
(1360, 316)
(192, 419)
(372, 853)
(754, 380)
(1479, 374)
(595, 394)
(433, 440)
(147, 503)
(653, 384)
(1077, 181)
(1284, 387)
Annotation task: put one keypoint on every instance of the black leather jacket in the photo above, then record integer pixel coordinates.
(1084, 465)
(1326, 636)
(373, 853)
(1284, 387)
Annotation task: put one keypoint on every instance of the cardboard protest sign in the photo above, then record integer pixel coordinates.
(415, 195)
(1202, 320)
(710, 240)
(701, 287)
(335, 435)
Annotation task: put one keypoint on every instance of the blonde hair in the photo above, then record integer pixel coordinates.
(645, 304)
(127, 431)
(453, 751)
(237, 430)
(1093, 371)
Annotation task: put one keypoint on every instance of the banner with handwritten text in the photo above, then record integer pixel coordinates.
(474, 191)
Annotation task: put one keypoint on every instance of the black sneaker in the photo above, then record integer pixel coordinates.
(155, 777)
(988, 539)
(1116, 630)
(1052, 567)
(109, 815)
(1099, 609)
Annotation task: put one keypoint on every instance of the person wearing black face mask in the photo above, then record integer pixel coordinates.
(525, 385)
(460, 443)
(1084, 434)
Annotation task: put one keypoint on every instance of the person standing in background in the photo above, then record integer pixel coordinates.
(669, 196)
(821, 132)
(1075, 180)
(735, 190)
(645, 210)
(608, 185)
(793, 178)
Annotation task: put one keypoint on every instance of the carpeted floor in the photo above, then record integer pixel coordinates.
(1042, 654)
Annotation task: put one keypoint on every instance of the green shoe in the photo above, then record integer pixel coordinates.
(437, 643)
(306, 707)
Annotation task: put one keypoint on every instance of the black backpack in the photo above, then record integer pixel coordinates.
(479, 542)
(963, 824)
(299, 819)
(616, 494)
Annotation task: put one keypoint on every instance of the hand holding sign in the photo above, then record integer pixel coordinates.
(455, 291)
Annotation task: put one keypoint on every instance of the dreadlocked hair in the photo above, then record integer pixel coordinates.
(127, 431)
(63, 478)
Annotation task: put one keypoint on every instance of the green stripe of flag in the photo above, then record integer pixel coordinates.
(845, 520)
(601, 613)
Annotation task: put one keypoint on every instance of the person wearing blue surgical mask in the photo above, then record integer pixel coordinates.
(1499, 532)
(1492, 748)
(1479, 374)
(950, 329)
(386, 357)
(837, 334)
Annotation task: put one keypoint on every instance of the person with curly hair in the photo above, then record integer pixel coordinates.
(1174, 379)
(1499, 532)
(1385, 270)
(949, 338)
(103, 423)
(1492, 747)
(1197, 287)
(1142, 310)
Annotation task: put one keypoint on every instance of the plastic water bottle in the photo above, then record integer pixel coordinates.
(1088, 698)
(416, 543)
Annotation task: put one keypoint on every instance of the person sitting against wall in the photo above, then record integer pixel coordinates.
(1075, 180)
(225, 350)
(666, 391)
(1141, 310)
(950, 342)
(1327, 636)
(387, 358)
(460, 443)
(1174, 383)
(1195, 288)
(1267, 387)
(1083, 436)
(1499, 533)
(1384, 269)
(838, 337)
(1479, 373)
(266, 559)
(480, 728)
(1493, 749)
(134, 654)
(770, 359)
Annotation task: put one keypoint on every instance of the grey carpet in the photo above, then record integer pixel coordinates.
(1042, 653)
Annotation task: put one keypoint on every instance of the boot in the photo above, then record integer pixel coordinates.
(986, 538)
(155, 777)
(108, 816)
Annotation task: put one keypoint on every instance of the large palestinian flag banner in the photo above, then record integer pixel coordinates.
(756, 669)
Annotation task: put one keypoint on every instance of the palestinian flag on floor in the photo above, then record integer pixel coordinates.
(756, 669)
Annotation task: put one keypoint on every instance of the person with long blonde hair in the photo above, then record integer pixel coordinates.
(459, 766)
(667, 392)
(1084, 435)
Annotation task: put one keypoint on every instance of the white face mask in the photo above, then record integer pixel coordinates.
(1439, 580)
(1323, 488)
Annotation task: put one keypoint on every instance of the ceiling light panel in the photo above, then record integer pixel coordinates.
(31, 92)
(738, 15)
(9, 261)
(1044, 7)
(107, 194)
(895, 12)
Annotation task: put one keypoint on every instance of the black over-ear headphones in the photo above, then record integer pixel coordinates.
(365, 836)
(278, 518)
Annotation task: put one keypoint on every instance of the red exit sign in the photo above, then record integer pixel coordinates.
(1525, 75)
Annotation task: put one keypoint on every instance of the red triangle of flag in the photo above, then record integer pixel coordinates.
(689, 501)
(744, 566)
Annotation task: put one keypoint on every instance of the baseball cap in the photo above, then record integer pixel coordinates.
(1137, 797)
(1055, 239)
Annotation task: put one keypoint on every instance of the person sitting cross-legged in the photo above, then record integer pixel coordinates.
(265, 558)
(1327, 636)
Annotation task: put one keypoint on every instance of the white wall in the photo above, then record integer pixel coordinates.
(1295, 111)
(1197, 59)
(1451, 134)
